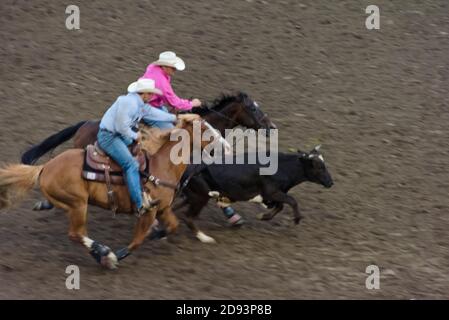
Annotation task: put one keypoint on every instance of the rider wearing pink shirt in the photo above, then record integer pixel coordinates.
(161, 72)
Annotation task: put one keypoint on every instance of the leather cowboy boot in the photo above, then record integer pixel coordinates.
(148, 204)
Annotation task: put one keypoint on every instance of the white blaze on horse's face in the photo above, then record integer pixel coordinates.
(218, 136)
(319, 156)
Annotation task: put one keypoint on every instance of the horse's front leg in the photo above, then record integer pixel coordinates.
(192, 212)
(281, 197)
(78, 233)
(169, 220)
(171, 223)
(141, 231)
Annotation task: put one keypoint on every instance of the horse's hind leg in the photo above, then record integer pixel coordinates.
(197, 197)
(192, 212)
(78, 233)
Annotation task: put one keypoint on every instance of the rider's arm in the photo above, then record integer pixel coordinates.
(173, 99)
(155, 114)
(124, 119)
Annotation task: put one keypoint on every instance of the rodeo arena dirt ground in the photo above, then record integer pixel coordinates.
(376, 100)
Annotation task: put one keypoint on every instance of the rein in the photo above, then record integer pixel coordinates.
(158, 182)
(223, 116)
(258, 120)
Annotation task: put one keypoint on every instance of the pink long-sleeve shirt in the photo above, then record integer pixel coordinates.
(162, 82)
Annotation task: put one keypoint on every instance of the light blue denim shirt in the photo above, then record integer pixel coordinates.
(127, 111)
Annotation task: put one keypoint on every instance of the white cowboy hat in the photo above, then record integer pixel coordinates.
(169, 59)
(144, 85)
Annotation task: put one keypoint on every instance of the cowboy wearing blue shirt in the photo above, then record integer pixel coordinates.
(116, 132)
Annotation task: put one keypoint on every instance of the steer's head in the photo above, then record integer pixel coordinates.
(314, 168)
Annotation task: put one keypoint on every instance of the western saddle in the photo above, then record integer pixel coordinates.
(98, 166)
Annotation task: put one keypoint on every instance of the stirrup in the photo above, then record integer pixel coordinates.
(147, 207)
(148, 201)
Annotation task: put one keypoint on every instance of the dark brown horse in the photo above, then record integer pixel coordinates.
(61, 182)
(224, 113)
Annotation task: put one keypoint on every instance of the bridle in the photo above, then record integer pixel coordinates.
(259, 120)
(178, 187)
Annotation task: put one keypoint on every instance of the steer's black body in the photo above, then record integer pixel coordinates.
(243, 182)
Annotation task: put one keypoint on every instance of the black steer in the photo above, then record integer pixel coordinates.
(229, 183)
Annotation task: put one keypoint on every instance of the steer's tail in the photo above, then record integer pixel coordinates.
(15, 181)
(38, 150)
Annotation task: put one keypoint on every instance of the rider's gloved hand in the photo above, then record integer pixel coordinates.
(196, 103)
(139, 137)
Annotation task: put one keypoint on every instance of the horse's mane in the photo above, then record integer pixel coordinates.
(220, 103)
(153, 138)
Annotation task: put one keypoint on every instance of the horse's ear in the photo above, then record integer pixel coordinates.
(242, 96)
(316, 149)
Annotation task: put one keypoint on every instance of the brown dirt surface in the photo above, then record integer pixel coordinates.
(377, 100)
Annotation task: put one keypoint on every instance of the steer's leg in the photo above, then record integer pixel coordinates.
(270, 215)
(279, 196)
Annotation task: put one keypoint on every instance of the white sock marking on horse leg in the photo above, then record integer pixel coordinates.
(204, 238)
(112, 259)
(88, 242)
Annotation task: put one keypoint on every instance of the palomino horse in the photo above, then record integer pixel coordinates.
(61, 182)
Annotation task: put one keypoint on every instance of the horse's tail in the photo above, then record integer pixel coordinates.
(38, 150)
(16, 180)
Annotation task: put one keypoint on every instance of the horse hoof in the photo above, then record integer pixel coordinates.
(37, 206)
(204, 238)
(122, 253)
(158, 234)
(104, 255)
(110, 261)
(42, 205)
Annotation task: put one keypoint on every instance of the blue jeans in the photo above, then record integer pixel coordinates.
(116, 147)
(161, 124)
